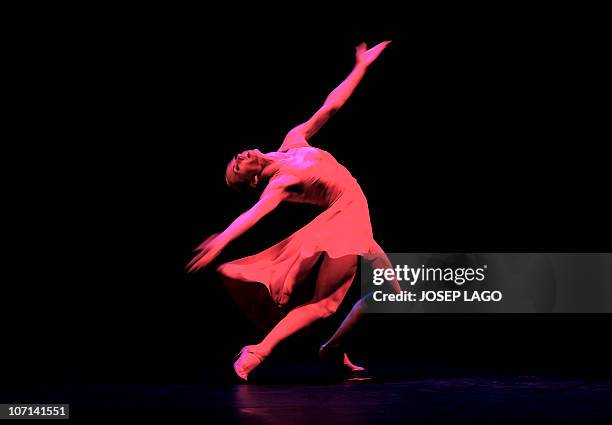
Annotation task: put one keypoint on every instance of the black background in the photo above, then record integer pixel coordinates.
(476, 131)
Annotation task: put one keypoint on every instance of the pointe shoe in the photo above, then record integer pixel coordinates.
(247, 360)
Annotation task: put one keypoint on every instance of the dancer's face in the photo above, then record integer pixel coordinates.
(244, 168)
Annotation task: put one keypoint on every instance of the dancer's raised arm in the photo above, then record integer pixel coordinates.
(337, 98)
(273, 195)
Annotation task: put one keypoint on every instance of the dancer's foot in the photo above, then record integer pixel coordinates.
(248, 359)
(350, 365)
(333, 354)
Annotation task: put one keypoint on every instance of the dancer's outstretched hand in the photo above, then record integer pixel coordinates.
(365, 57)
(207, 252)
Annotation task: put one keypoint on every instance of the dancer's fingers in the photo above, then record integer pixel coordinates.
(189, 266)
(206, 242)
(195, 259)
(377, 50)
(193, 268)
(201, 260)
(380, 46)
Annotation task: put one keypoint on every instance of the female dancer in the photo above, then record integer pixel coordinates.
(298, 172)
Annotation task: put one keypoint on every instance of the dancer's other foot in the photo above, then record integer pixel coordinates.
(350, 365)
(333, 354)
(248, 359)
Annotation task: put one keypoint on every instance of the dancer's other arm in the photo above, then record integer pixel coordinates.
(273, 195)
(337, 98)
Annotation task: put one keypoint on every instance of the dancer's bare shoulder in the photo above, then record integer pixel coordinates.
(307, 154)
(294, 139)
(296, 145)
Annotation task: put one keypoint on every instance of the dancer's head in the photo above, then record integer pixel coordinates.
(244, 170)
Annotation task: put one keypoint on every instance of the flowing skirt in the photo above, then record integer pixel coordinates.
(268, 284)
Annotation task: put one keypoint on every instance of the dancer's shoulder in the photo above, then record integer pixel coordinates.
(294, 139)
(295, 145)
(307, 152)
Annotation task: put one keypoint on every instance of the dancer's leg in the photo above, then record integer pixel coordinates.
(331, 286)
(379, 260)
(335, 343)
(348, 324)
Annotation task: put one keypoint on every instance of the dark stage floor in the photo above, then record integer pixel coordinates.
(387, 397)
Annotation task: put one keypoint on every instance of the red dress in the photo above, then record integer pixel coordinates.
(343, 228)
